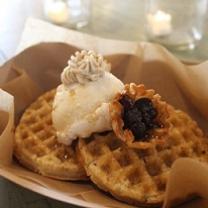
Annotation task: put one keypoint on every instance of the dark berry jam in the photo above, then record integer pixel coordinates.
(138, 116)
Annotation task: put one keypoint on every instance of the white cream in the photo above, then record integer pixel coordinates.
(85, 66)
(82, 108)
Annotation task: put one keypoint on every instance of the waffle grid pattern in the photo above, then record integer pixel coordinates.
(36, 146)
(139, 176)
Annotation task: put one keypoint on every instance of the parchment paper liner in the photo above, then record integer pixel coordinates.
(37, 69)
(6, 127)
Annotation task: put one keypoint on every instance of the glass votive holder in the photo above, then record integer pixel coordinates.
(175, 24)
(70, 13)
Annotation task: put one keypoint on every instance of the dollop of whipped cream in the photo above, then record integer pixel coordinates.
(85, 66)
(81, 103)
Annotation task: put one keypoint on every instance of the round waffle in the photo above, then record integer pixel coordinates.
(136, 170)
(36, 146)
(137, 176)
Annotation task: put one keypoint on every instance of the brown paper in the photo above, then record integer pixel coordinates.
(189, 178)
(38, 68)
(6, 127)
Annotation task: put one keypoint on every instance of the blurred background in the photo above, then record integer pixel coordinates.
(179, 26)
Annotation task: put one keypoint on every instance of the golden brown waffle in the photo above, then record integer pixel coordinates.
(36, 146)
(136, 171)
(138, 176)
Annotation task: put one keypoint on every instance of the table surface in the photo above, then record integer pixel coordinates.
(110, 19)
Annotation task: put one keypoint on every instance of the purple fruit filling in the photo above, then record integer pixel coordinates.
(138, 116)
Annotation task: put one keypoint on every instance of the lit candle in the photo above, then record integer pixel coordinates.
(160, 23)
(57, 11)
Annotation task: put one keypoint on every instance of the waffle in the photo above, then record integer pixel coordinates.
(136, 176)
(136, 171)
(36, 146)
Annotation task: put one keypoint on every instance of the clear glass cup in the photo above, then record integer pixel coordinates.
(176, 24)
(71, 13)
